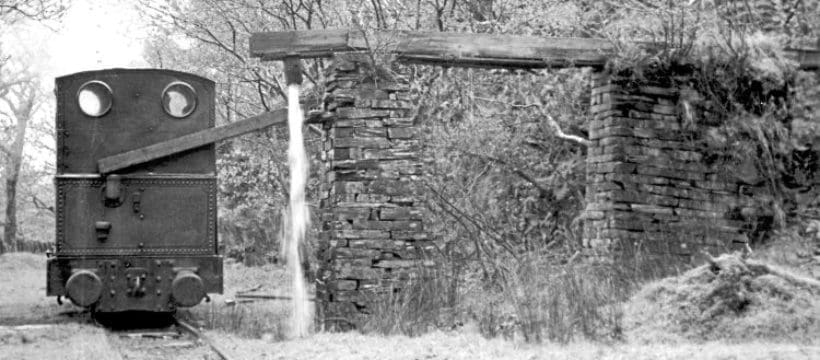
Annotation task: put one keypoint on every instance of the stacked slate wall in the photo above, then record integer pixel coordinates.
(651, 189)
(373, 238)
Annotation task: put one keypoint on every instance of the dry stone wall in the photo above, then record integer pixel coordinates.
(373, 238)
(650, 188)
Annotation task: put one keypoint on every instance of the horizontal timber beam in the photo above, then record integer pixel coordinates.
(439, 48)
(456, 49)
(191, 141)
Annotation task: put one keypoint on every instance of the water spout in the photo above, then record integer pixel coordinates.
(299, 218)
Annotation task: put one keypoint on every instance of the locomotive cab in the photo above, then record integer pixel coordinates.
(143, 237)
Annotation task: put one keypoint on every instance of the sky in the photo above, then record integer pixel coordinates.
(93, 34)
(96, 35)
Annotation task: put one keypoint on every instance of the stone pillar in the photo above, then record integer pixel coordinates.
(373, 237)
(650, 188)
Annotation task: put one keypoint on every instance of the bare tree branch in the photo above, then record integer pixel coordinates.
(562, 135)
(41, 205)
(12, 11)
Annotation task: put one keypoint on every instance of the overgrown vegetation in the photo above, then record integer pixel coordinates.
(729, 298)
(505, 194)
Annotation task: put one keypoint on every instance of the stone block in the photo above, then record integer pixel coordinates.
(382, 244)
(354, 175)
(652, 209)
(348, 187)
(668, 173)
(408, 235)
(396, 263)
(347, 123)
(401, 213)
(360, 113)
(388, 225)
(399, 121)
(343, 285)
(369, 143)
(347, 213)
(356, 272)
(391, 187)
(699, 213)
(356, 297)
(341, 132)
(372, 198)
(390, 104)
(658, 91)
(615, 167)
(370, 132)
(361, 234)
(390, 154)
(350, 252)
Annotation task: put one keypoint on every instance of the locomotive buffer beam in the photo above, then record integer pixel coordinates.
(159, 150)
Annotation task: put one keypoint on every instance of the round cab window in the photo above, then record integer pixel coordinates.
(179, 99)
(94, 98)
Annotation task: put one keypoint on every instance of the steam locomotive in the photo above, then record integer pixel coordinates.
(141, 238)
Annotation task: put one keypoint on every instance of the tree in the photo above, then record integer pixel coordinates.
(12, 11)
(19, 99)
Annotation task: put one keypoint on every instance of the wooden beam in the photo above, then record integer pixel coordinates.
(307, 44)
(191, 141)
(463, 49)
(457, 49)
(440, 48)
(807, 59)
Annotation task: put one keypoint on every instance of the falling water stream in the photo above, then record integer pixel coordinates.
(299, 217)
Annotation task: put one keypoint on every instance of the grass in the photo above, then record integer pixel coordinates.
(534, 300)
(794, 247)
(731, 299)
(250, 318)
(419, 307)
(556, 299)
(527, 298)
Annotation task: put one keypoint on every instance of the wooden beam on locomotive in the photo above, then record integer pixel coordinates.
(191, 141)
(457, 49)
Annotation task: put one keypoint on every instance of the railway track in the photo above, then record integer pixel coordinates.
(118, 338)
(185, 326)
(175, 339)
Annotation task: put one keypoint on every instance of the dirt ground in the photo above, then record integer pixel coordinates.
(35, 327)
(453, 346)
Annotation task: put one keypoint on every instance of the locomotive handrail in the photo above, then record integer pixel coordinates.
(191, 141)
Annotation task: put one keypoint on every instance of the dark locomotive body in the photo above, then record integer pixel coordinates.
(142, 238)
